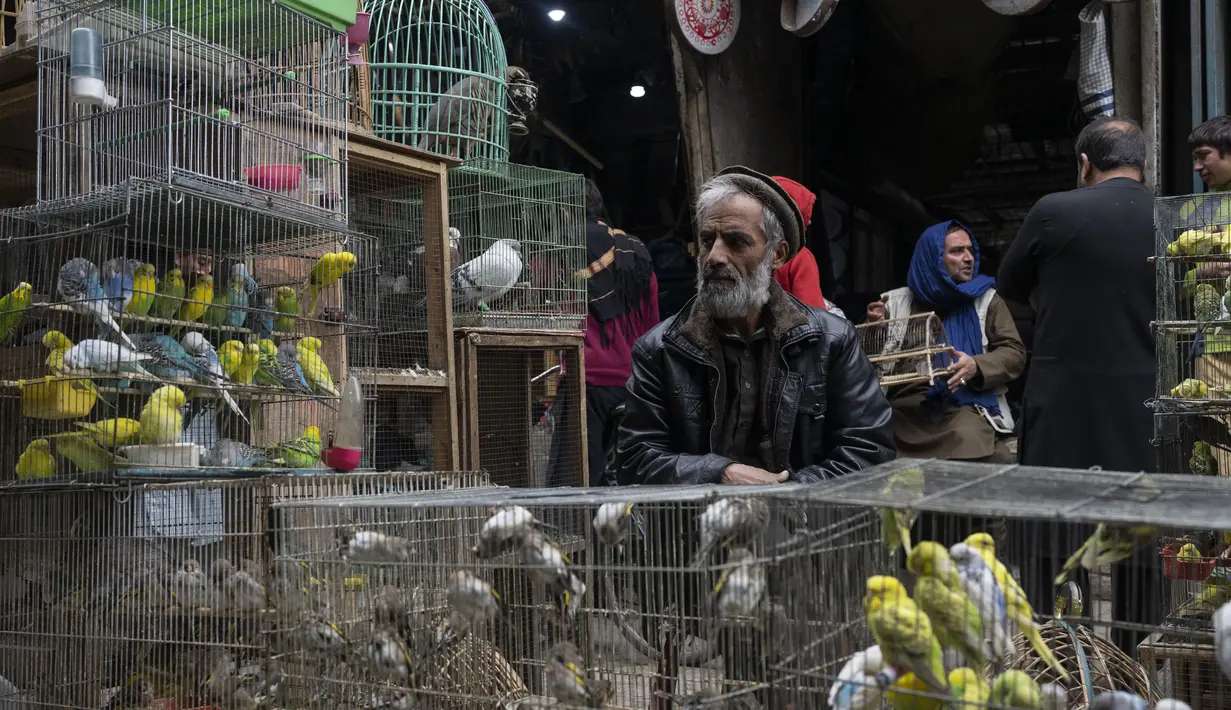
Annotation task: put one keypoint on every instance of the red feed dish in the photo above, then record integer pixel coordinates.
(277, 178)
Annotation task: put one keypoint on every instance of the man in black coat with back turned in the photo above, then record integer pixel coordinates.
(1081, 259)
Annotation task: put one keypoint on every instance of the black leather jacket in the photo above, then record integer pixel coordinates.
(828, 414)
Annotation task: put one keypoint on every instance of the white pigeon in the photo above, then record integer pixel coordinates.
(488, 276)
(102, 356)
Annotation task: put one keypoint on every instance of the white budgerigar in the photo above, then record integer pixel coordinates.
(857, 687)
(1222, 638)
(204, 355)
(489, 276)
(100, 356)
(979, 584)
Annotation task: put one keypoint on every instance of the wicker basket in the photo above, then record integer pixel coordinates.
(1096, 665)
(472, 675)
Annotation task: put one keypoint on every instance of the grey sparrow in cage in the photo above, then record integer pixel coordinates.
(506, 530)
(613, 521)
(388, 656)
(474, 598)
(551, 566)
(730, 522)
(190, 588)
(568, 682)
(241, 589)
(373, 546)
(317, 634)
(741, 588)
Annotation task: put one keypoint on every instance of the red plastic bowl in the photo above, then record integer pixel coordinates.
(1192, 571)
(277, 178)
(340, 459)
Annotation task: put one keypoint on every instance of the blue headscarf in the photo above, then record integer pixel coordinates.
(931, 283)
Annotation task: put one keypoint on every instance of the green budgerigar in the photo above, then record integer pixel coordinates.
(896, 522)
(969, 688)
(86, 454)
(1109, 544)
(938, 592)
(1206, 303)
(1016, 689)
(286, 303)
(13, 307)
(903, 632)
(1202, 462)
(170, 291)
(302, 452)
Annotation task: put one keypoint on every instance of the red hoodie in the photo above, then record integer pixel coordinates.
(799, 276)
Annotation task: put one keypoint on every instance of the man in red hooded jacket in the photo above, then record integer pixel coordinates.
(799, 276)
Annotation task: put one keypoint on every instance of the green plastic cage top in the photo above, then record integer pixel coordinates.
(439, 77)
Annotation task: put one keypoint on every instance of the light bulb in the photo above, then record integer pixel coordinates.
(637, 91)
(556, 15)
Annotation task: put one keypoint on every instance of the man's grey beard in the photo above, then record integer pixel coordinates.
(736, 298)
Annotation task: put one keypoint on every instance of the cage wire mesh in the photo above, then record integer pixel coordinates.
(440, 78)
(1134, 612)
(140, 300)
(116, 596)
(906, 350)
(235, 95)
(521, 239)
(1193, 330)
(523, 409)
(639, 613)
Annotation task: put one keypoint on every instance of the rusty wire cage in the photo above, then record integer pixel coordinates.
(118, 598)
(522, 412)
(907, 350)
(140, 288)
(640, 613)
(1142, 624)
(399, 197)
(237, 96)
(520, 233)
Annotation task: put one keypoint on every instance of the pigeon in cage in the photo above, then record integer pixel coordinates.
(486, 278)
(568, 682)
(80, 286)
(461, 119)
(505, 530)
(730, 522)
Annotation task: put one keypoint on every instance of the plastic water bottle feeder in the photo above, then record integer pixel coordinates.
(85, 72)
(356, 35)
(345, 451)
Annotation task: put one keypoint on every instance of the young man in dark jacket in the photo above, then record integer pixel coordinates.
(747, 384)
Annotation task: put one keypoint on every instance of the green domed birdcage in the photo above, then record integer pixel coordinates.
(439, 77)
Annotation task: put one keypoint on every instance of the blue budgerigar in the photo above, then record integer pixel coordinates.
(264, 321)
(206, 357)
(117, 280)
(169, 359)
(237, 299)
(250, 284)
(80, 286)
(226, 453)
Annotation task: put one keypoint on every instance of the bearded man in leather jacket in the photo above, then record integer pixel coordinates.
(747, 384)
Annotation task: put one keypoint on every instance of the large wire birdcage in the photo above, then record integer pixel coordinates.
(154, 326)
(907, 350)
(440, 78)
(521, 239)
(1193, 330)
(1118, 572)
(240, 96)
(120, 596)
(622, 588)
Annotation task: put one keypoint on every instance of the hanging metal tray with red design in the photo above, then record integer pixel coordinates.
(708, 26)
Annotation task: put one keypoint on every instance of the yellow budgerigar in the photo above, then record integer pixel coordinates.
(938, 592)
(1016, 605)
(230, 354)
(903, 632)
(199, 300)
(969, 688)
(113, 432)
(1109, 544)
(1191, 389)
(315, 371)
(1016, 689)
(145, 289)
(325, 273)
(58, 344)
(250, 360)
(36, 461)
(86, 455)
(896, 523)
(917, 699)
(161, 421)
(13, 307)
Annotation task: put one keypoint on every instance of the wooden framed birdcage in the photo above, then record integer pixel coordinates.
(522, 407)
(227, 95)
(399, 197)
(906, 350)
(438, 77)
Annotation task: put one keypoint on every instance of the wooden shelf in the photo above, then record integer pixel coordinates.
(404, 379)
(193, 325)
(204, 389)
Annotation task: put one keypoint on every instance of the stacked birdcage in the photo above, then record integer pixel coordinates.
(476, 598)
(131, 592)
(227, 95)
(1193, 330)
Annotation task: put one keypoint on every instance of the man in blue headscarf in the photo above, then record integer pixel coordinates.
(964, 416)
